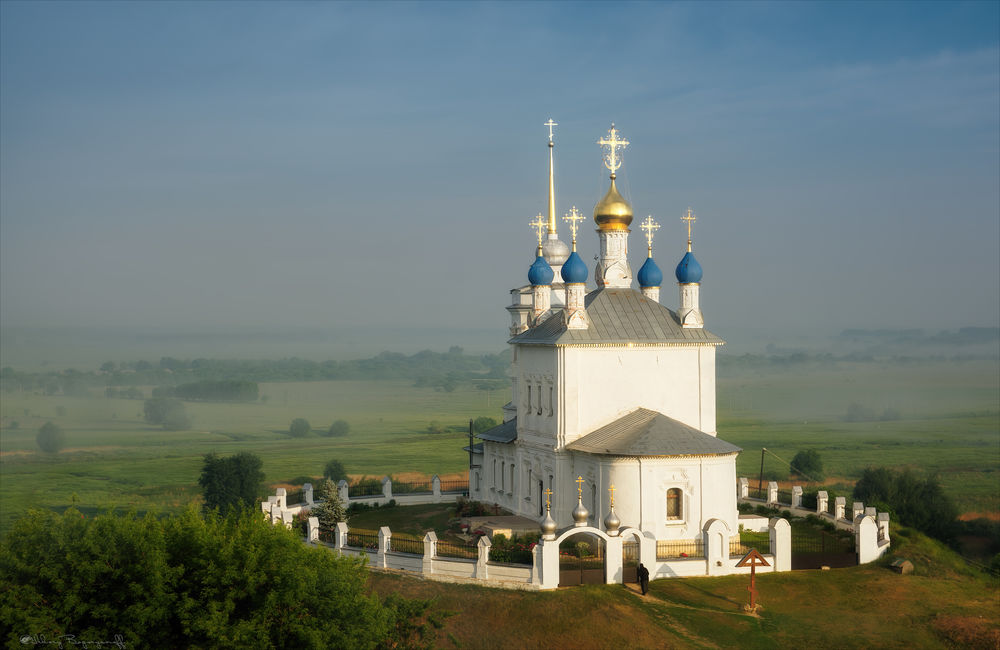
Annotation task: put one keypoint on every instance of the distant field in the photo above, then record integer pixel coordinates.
(949, 423)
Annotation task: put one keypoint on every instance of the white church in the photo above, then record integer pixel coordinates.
(611, 423)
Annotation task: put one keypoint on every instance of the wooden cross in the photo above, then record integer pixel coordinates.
(579, 486)
(650, 227)
(612, 160)
(548, 499)
(539, 224)
(550, 124)
(753, 559)
(571, 218)
(612, 491)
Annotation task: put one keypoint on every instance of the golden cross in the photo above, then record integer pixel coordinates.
(612, 491)
(579, 485)
(548, 499)
(689, 218)
(650, 227)
(612, 159)
(571, 218)
(550, 124)
(539, 224)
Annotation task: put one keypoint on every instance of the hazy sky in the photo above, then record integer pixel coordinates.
(226, 164)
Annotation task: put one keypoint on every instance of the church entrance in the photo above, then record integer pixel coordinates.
(581, 560)
(630, 560)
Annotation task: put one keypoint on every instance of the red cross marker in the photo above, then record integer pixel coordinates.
(753, 559)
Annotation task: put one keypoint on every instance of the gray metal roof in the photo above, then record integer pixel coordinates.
(618, 316)
(647, 433)
(506, 432)
(476, 448)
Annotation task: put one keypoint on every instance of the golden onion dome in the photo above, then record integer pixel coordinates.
(613, 212)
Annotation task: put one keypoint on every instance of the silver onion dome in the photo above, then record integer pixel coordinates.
(555, 251)
(612, 523)
(580, 513)
(548, 526)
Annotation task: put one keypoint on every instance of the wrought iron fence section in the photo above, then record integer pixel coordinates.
(740, 547)
(411, 487)
(364, 490)
(455, 486)
(670, 549)
(451, 549)
(296, 496)
(402, 544)
(366, 539)
(785, 497)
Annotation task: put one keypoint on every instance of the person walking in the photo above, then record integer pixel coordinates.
(643, 574)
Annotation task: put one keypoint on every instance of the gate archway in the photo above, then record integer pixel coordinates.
(582, 557)
(630, 557)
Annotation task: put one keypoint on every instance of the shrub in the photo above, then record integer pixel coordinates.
(483, 424)
(166, 411)
(299, 428)
(339, 428)
(335, 471)
(50, 438)
(808, 464)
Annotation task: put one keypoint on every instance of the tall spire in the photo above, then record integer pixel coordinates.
(650, 227)
(613, 214)
(690, 219)
(552, 180)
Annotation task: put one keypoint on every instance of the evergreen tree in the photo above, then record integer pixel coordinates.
(331, 509)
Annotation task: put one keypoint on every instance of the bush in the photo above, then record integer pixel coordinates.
(339, 428)
(483, 424)
(335, 471)
(808, 464)
(166, 411)
(50, 438)
(299, 428)
(918, 502)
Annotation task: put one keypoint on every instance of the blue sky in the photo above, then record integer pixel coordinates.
(227, 165)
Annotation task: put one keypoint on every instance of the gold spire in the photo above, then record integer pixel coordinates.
(612, 158)
(612, 491)
(613, 212)
(650, 226)
(552, 181)
(571, 218)
(579, 486)
(539, 225)
(689, 218)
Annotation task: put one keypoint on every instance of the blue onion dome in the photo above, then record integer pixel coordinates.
(574, 271)
(540, 272)
(650, 274)
(688, 271)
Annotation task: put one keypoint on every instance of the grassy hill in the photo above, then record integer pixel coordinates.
(943, 604)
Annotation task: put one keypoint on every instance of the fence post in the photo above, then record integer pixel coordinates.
(436, 488)
(312, 533)
(883, 527)
(780, 535)
(345, 491)
(838, 507)
(772, 493)
(271, 501)
(384, 539)
(796, 496)
(744, 489)
(275, 515)
(613, 565)
(282, 496)
(287, 518)
(866, 539)
(715, 542)
(484, 545)
(307, 494)
(821, 502)
(387, 487)
(340, 536)
(857, 510)
(548, 549)
(870, 512)
(430, 550)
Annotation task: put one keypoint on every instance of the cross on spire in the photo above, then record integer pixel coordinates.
(548, 498)
(539, 225)
(579, 486)
(650, 227)
(571, 218)
(614, 145)
(550, 124)
(690, 219)
(612, 491)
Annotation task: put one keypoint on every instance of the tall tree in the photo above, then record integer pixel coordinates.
(50, 437)
(231, 483)
(330, 509)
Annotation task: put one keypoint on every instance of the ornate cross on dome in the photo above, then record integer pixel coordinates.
(571, 218)
(612, 158)
(548, 498)
(689, 218)
(539, 224)
(550, 124)
(650, 227)
(579, 486)
(612, 491)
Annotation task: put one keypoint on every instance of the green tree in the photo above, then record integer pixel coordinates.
(167, 412)
(299, 428)
(231, 483)
(335, 471)
(50, 438)
(808, 464)
(339, 428)
(483, 424)
(919, 502)
(330, 509)
(191, 581)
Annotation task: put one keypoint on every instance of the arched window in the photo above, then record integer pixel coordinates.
(529, 398)
(477, 482)
(512, 478)
(550, 401)
(593, 500)
(674, 510)
(502, 468)
(494, 473)
(539, 399)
